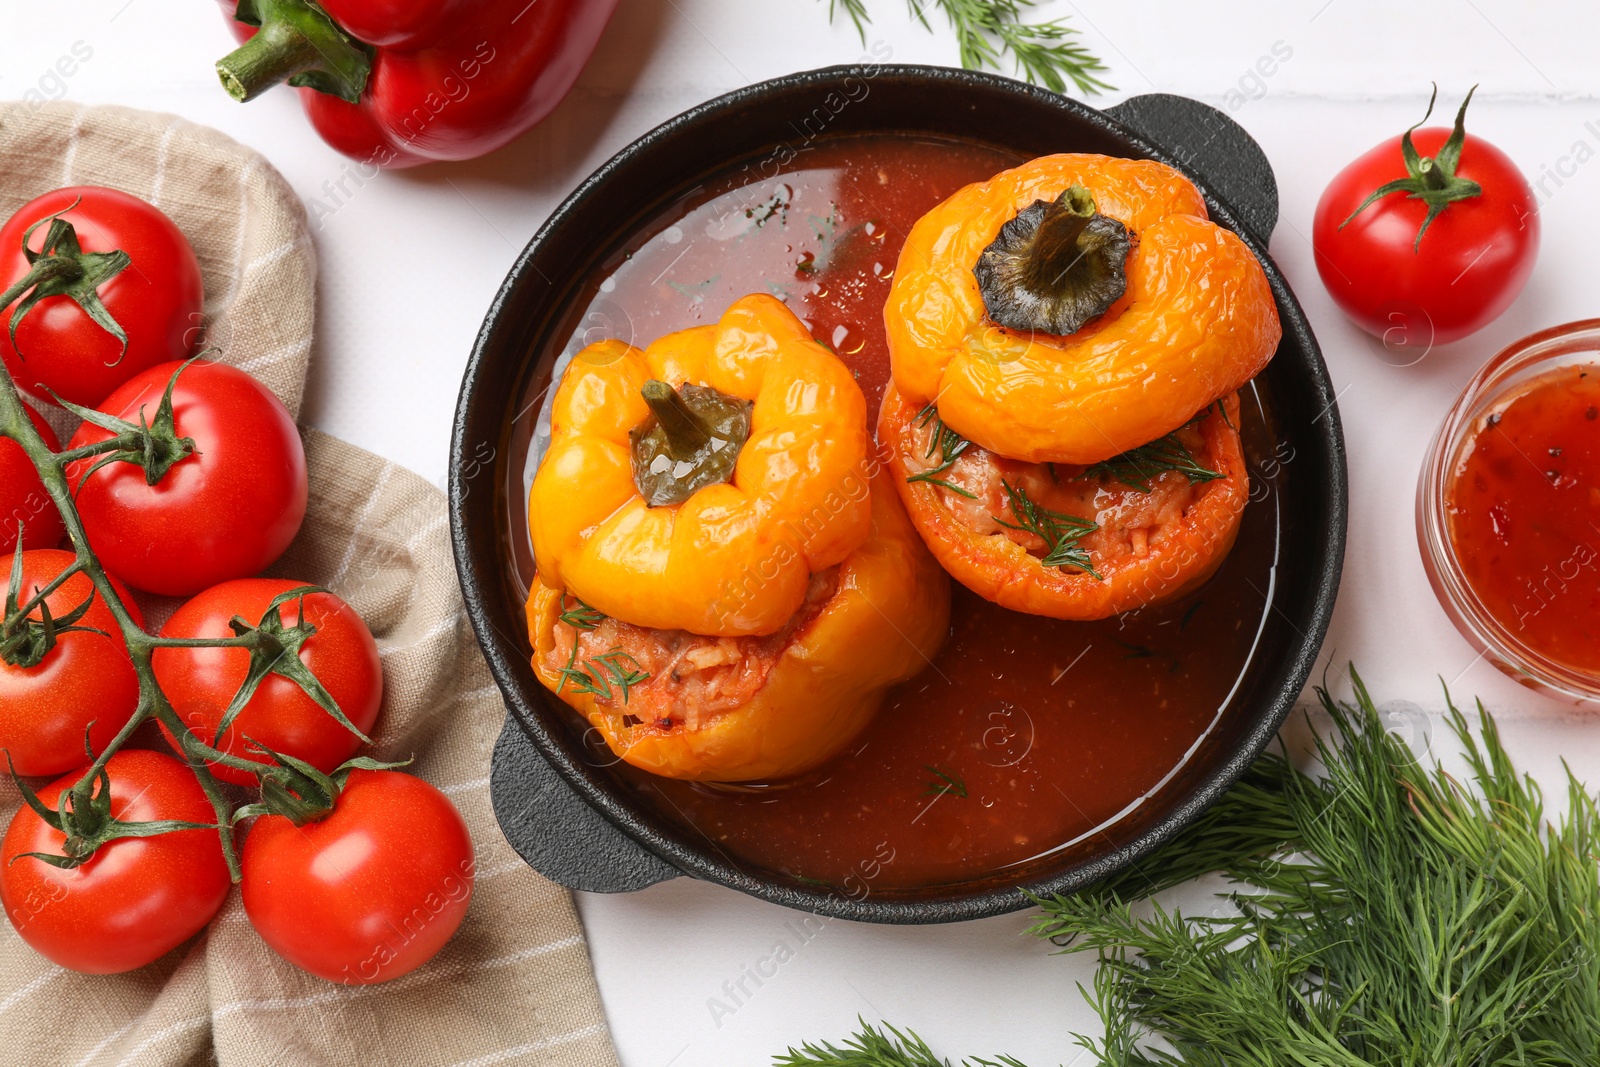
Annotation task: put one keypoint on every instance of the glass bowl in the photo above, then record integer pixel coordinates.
(1500, 380)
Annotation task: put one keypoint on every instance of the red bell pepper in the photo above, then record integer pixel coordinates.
(401, 82)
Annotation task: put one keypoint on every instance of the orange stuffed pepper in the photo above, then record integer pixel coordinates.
(725, 591)
(1067, 341)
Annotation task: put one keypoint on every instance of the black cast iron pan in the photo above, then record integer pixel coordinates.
(568, 817)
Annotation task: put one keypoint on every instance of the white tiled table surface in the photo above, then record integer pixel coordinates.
(410, 261)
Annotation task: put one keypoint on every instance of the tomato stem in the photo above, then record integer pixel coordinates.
(62, 268)
(118, 443)
(1431, 179)
(49, 587)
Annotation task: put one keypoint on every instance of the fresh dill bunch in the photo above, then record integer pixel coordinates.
(987, 31)
(1388, 915)
(872, 1047)
(1045, 53)
(856, 9)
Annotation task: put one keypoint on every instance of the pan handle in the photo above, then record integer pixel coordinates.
(1229, 162)
(551, 827)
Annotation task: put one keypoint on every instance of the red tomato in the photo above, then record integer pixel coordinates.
(44, 710)
(22, 495)
(136, 898)
(156, 299)
(369, 893)
(226, 511)
(1468, 267)
(201, 682)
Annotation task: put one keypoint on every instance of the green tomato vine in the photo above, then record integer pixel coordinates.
(28, 634)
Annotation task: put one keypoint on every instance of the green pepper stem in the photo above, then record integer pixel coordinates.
(299, 43)
(275, 54)
(686, 432)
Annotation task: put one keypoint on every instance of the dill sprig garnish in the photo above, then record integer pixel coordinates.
(872, 1047)
(1045, 53)
(1060, 533)
(608, 671)
(944, 782)
(950, 446)
(1385, 915)
(1222, 409)
(856, 9)
(582, 616)
(1138, 467)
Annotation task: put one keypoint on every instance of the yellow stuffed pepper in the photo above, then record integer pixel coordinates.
(1067, 341)
(725, 591)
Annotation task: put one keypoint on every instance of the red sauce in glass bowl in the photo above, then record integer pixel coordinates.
(1524, 515)
(1026, 735)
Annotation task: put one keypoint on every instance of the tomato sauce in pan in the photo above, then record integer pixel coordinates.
(1026, 734)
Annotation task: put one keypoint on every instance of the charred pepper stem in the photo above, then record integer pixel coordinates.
(684, 431)
(691, 440)
(296, 42)
(1055, 244)
(1055, 266)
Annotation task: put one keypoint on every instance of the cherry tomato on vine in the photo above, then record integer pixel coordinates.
(84, 678)
(136, 898)
(227, 507)
(1428, 237)
(87, 293)
(340, 654)
(22, 495)
(368, 893)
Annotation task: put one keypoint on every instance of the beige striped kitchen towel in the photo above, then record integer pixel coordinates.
(515, 985)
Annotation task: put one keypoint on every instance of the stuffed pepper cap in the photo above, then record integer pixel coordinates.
(1075, 308)
(698, 484)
